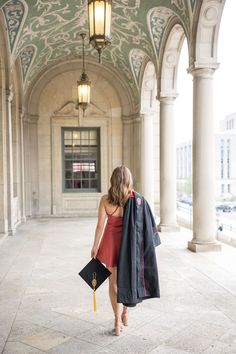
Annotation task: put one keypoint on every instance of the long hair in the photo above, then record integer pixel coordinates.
(121, 186)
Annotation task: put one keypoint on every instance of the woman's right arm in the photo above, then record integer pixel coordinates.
(99, 228)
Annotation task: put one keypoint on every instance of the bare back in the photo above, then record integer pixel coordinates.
(111, 209)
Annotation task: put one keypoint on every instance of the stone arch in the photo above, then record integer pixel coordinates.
(122, 89)
(148, 88)
(150, 136)
(205, 32)
(170, 59)
(50, 106)
(4, 85)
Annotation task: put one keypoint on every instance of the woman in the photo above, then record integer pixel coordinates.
(111, 208)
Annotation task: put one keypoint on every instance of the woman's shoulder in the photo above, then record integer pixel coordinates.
(104, 198)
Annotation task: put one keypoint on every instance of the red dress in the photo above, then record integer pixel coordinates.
(109, 248)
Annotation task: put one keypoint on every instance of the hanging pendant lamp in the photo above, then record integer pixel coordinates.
(84, 84)
(99, 18)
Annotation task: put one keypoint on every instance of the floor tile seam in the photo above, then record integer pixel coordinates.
(13, 261)
(214, 281)
(74, 336)
(116, 338)
(71, 316)
(213, 262)
(19, 304)
(231, 319)
(90, 342)
(223, 268)
(210, 346)
(29, 345)
(205, 275)
(212, 341)
(30, 323)
(171, 347)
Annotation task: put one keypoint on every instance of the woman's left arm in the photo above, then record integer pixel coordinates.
(99, 228)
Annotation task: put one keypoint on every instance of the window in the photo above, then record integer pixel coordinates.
(228, 189)
(222, 158)
(228, 158)
(81, 159)
(222, 188)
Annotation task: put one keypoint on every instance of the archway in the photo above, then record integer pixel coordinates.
(168, 94)
(150, 137)
(58, 186)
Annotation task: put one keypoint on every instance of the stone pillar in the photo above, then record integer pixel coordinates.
(167, 166)
(136, 153)
(147, 167)
(27, 165)
(34, 164)
(204, 215)
(22, 168)
(3, 166)
(127, 142)
(10, 177)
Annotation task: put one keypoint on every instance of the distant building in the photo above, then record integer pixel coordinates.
(226, 157)
(225, 161)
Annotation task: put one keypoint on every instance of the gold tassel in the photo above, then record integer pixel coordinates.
(94, 284)
(94, 302)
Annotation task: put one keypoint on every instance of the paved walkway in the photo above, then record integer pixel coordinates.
(46, 308)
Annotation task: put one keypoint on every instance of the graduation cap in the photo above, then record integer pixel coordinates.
(94, 274)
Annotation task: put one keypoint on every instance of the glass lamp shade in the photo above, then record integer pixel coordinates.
(99, 13)
(84, 91)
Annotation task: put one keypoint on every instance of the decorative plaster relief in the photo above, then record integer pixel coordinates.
(127, 6)
(137, 58)
(207, 34)
(180, 4)
(26, 57)
(67, 109)
(192, 3)
(15, 12)
(70, 108)
(171, 58)
(210, 15)
(157, 21)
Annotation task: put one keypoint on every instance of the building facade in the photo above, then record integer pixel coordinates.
(226, 158)
(225, 162)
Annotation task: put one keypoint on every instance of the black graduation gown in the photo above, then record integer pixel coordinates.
(137, 274)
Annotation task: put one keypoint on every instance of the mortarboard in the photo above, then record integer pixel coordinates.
(94, 274)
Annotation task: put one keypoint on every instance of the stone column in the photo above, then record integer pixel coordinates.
(136, 153)
(127, 142)
(3, 166)
(204, 215)
(27, 166)
(34, 163)
(167, 166)
(10, 196)
(147, 166)
(22, 168)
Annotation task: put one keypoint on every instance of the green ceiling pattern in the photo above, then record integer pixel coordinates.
(42, 32)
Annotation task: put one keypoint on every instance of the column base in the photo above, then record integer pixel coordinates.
(204, 247)
(11, 232)
(168, 228)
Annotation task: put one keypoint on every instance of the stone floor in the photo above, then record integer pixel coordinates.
(46, 308)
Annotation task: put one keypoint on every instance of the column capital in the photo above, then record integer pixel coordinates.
(204, 72)
(167, 99)
(9, 95)
(132, 118)
(148, 115)
(29, 118)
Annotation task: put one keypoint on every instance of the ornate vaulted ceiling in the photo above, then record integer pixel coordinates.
(42, 32)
